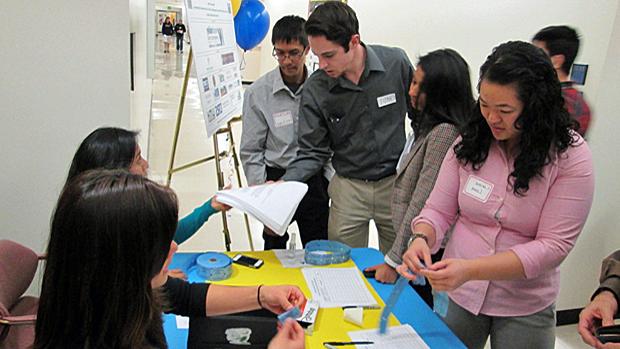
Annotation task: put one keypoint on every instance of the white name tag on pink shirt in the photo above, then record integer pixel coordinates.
(386, 100)
(283, 118)
(478, 188)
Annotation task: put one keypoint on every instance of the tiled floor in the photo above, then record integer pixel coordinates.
(195, 185)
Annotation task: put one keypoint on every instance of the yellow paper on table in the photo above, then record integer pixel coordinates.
(330, 324)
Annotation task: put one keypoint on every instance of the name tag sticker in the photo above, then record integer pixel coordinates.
(478, 188)
(386, 100)
(283, 118)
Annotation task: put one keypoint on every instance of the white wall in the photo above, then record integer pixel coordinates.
(602, 229)
(473, 29)
(151, 43)
(600, 236)
(65, 71)
(140, 98)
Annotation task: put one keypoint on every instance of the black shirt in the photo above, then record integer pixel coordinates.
(167, 29)
(179, 29)
(186, 299)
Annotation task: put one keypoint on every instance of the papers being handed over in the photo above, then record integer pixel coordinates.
(272, 204)
(399, 337)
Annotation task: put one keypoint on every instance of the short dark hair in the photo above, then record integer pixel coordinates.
(334, 20)
(110, 235)
(105, 148)
(288, 29)
(447, 86)
(546, 128)
(560, 40)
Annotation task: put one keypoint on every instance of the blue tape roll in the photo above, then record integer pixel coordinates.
(214, 266)
(323, 252)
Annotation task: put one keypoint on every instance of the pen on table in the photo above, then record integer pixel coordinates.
(333, 345)
(375, 306)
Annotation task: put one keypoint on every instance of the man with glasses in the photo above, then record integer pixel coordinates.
(355, 106)
(269, 130)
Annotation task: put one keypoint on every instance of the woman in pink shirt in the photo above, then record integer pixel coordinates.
(518, 187)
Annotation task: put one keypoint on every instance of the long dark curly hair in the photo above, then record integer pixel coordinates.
(544, 124)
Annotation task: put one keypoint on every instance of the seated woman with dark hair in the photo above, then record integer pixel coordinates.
(442, 100)
(109, 249)
(117, 148)
(518, 187)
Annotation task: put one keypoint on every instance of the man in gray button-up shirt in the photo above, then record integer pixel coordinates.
(354, 105)
(269, 130)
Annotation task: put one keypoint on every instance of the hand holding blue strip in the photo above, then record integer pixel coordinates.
(396, 292)
(292, 313)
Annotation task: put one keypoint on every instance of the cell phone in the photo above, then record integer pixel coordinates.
(370, 273)
(608, 334)
(248, 261)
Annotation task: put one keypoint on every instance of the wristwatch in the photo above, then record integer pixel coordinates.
(415, 236)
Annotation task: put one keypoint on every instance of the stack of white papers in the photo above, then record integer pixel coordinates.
(397, 337)
(272, 204)
(338, 287)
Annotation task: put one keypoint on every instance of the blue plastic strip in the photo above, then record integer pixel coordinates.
(292, 313)
(401, 283)
(396, 292)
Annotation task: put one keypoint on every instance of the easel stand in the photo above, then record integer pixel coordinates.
(217, 156)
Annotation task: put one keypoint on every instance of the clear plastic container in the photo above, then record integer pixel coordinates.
(292, 245)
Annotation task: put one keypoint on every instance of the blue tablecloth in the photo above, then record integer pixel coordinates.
(410, 308)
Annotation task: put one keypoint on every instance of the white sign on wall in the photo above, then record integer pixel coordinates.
(212, 34)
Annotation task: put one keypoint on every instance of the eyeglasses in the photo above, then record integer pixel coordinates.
(281, 55)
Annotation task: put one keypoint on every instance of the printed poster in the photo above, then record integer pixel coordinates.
(214, 47)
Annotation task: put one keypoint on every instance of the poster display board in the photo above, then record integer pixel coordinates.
(212, 34)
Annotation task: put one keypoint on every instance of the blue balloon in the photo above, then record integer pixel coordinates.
(251, 24)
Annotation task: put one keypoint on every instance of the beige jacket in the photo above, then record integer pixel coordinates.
(414, 182)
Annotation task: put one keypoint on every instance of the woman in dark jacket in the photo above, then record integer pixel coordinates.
(167, 30)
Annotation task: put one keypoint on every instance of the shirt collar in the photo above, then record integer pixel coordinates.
(278, 82)
(373, 63)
